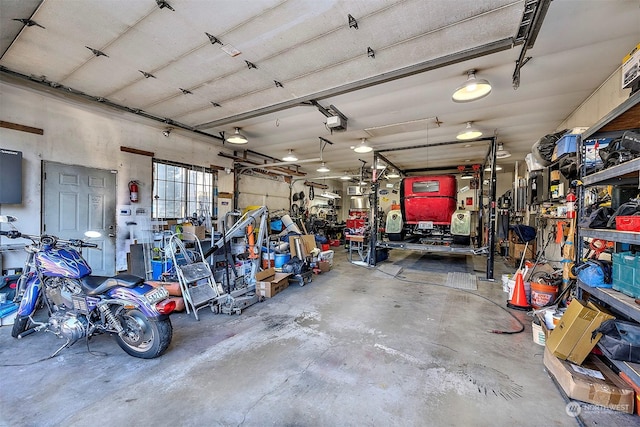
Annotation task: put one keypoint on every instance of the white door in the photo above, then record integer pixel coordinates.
(77, 199)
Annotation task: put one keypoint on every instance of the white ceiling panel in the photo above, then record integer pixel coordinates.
(308, 46)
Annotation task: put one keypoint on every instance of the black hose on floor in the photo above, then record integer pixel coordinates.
(493, 331)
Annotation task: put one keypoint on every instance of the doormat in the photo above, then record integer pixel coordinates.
(462, 281)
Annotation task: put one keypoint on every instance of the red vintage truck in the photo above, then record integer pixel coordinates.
(428, 208)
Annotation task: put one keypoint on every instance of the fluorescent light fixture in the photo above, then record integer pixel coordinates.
(323, 168)
(290, 157)
(472, 89)
(330, 195)
(393, 174)
(467, 176)
(237, 138)
(469, 132)
(345, 177)
(363, 147)
(502, 153)
(488, 168)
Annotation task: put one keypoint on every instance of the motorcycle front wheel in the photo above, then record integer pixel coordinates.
(142, 337)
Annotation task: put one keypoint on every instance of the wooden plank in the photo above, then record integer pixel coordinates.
(629, 120)
(21, 128)
(136, 151)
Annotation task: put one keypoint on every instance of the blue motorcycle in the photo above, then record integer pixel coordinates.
(57, 278)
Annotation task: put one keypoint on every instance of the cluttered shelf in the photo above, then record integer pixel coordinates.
(614, 175)
(619, 301)
(631, 237)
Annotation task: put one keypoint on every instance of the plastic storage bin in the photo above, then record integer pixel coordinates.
(565, 145)
(628, 223)
(626, 273)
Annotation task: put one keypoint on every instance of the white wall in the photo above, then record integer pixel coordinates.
(83, 135)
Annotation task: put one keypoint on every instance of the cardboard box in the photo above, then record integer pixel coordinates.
(593, 382)
(324, 266)
(270, 283)
(188, 231)
(517, 249)
(571, 338)
(308, 244)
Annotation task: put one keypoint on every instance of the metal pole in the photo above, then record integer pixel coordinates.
(374, 212)
(492, 215)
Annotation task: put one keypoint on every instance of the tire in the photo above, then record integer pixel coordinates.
(144, 338)
(395, 237)
(20, 324)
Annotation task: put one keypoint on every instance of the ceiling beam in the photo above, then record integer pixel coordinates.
(432, 64)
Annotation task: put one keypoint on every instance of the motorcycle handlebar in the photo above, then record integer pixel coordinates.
(15, 234)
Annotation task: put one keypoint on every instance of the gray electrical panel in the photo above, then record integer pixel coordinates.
(10, 177)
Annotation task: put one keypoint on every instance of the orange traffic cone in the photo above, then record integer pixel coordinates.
(519, 297)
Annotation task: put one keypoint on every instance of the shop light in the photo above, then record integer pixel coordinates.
(290, 157)
(469, 132)
(363, 147)
(237, 138)
(488, 168)
(345, 177)
(323, 168)
(472, 89)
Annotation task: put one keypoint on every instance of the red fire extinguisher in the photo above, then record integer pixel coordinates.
(133, 191)
(571, 204)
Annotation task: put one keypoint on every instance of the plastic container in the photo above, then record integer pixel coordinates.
(159, 267)
(538, 334)
(626, 273)
(565, 145)
(505, 282)
(628, 223)
(276, 225)
(542, 294)
(281, 259)
(324, 246)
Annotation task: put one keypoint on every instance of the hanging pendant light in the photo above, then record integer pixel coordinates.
(363, 147)
(290, 157)
(469, 132)
(501, 153)
(237, 138)
(472, 89)
(323, 168)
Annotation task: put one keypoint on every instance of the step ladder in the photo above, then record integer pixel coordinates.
(196, 280)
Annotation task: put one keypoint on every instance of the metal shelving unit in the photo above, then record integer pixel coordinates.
(625, 173)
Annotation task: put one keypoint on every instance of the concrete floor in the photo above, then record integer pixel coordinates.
(385, 346)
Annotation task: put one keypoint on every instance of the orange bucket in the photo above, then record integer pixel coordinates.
(542, 294)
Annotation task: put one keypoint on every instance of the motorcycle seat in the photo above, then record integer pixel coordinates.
(96, 285)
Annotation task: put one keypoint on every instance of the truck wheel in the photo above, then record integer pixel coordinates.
(395, 237)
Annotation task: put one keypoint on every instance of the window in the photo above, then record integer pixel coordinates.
(181, 191)
(426, 186)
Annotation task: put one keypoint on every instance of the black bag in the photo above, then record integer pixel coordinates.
(524, 232)
(596, 218)
(631, 208)
(620, 340)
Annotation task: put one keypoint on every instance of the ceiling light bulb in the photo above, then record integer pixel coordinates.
(290, 157)
(323, 168)
(237, 138)
(363, 147)
(166, 132)
(469, 132)
(472, 89)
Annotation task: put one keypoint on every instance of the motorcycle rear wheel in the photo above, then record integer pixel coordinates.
(144, 338)
(20, 324)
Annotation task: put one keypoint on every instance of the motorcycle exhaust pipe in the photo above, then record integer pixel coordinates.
(27, 332)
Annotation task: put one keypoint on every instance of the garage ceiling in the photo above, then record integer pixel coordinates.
(265, 65)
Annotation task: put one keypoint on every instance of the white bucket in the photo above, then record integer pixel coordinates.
(527, 289)
(505, 282)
